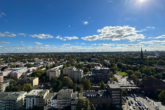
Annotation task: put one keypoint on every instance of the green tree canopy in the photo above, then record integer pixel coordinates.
(86, 70)
(124, 91)
(113, 69)
(29, 65)
(138, 74)
(67, 82)
(119, 65)
(83, 104)
(102, 86)
(86, 84)
(161, 96)
(27, 87)
(129, 72)
(161, 62)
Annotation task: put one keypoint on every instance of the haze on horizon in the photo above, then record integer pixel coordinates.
(81, 25)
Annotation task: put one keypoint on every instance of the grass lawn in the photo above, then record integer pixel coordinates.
(121, 73)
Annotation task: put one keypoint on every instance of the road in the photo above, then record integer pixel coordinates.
(143, 101)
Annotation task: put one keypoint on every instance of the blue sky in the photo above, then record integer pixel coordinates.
(81, 25)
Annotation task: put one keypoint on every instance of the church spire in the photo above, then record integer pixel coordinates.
(141, 55)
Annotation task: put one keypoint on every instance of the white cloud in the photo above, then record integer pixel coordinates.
(22, 42)
(93, 44)
(91, 38)
(71, 38)
(2, 14)
(11, 35)
(61, 38)
(69, 26)
(65, 44)
(83, 43)
(153, 42)
(116, 33)
(22, 34)
(162, 36)
(85, 22)
(7, 34)
(106, 44)
(42, 36)
(4, 42)
(66, 38)
(151, 27)
(46, 45)
(37, 43)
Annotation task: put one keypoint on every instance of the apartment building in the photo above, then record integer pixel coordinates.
(32, 80)
(32, 69)
(48, 99)
(107, 62)
(36, 97)
(18, 72)
(12, 100)
(116, 93)
(98, 97)
(54, 72)
(74, 73)
(62, 99)
(4, 85)
(1, 78)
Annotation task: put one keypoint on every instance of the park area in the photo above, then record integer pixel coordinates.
(121, 73)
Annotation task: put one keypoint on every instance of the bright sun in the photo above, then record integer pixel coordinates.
(142, 0)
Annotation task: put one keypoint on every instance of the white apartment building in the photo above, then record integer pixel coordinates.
(35, 97)
(73, 73)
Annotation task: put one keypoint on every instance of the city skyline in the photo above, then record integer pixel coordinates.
(82, 26)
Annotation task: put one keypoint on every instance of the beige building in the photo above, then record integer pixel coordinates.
(53, 72)
(48, 99)
(12, 100)
(36, 97)
(32, 80)
(74, 73)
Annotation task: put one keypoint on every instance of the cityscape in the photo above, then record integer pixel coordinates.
(82, 55)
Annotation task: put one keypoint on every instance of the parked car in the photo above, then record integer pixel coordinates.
(136, 103)
(131, 95)
(134, 106)
(127, 98)
(131, 101)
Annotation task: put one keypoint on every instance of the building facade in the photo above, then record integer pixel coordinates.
(32, 80)
(74, 73)
(36, 97)
(12, 100)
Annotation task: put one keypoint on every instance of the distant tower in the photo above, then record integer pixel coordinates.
(141, 55)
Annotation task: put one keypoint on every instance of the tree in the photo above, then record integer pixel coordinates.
(138, 74)
(92, 107)
(119, 65)
(161, 62)
(29, 65)
(74, 87)
(27, 87)
(0, 85)
(113, 69)
(115, 79)
(56, 84)
(105, 107)
(161, 96)
(147, 71)
(67, 82)
(134, 78)
(102, 86)
(83, 104)
(86, 84)
(129, 72)
(124, 91)
(86, 70)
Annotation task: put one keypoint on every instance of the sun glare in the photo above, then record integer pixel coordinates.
(141, 0)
